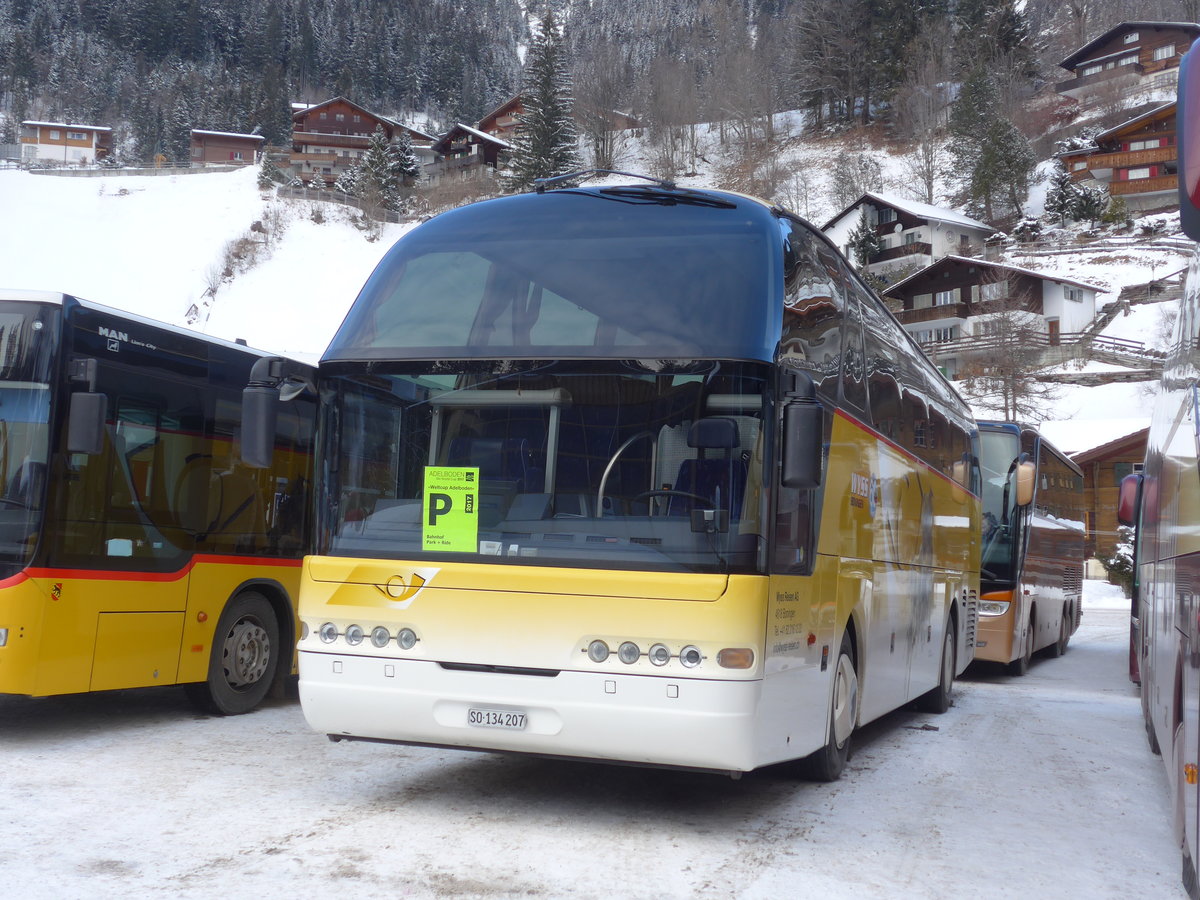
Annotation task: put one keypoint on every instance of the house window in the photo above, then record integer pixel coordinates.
(1073, 293)
(912, 237)
(54, 134)
(357, 117)
(1087, 70)
(1080, 166)
(77, 136)
(1131, 38)
(943, 298)
(1134, 174)
(886, 215)
(1127, 61)
(995, 290)
(1151, 144)
(341, 117)
(1164, 52)
(235, 155)
(323, 117)
(197, 152)
(1121, 469)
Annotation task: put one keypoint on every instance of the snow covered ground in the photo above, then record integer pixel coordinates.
(1041, 786)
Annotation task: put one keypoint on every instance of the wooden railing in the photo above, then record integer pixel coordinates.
(1144, 185)
(933, 313)
(916, 248)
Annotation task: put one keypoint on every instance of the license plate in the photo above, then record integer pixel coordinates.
(496, 718)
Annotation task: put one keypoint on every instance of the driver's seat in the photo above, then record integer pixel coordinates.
(719, 479)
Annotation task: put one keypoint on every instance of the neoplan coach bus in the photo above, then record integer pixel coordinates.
(1031, 575)
(632, 473)
(135, 548)
(1164, 503)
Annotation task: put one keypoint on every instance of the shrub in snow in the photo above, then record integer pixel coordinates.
(1120, 564)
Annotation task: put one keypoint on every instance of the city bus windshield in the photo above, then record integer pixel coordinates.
(999, 455)
(25, 352)
(607, 465)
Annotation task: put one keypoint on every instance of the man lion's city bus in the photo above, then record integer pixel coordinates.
(1031, 573)
(1163, 501)
(135, 548)
(632, 473)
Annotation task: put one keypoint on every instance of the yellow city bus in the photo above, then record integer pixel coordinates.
(135, 548)
(1163, 502)
(1031, 575)
(632, 473)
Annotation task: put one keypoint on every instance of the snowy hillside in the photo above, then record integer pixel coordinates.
(156, 245)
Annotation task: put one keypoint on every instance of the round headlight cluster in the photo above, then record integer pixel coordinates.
(659, 654)
(354, 635)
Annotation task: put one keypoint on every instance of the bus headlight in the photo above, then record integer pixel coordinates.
(597, 651)
(354, 635)
(690, 656)
(735, 658)
(629, 653)
(407, 638)
(380, 636)
(328, 633)
(993, 607)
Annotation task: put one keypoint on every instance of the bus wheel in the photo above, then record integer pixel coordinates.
(245, 655)
(1151, 737)
(941, 698)
(1059, 647)
(1020, 665)
(828, 762)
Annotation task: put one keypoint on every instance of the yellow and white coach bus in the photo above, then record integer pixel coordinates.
(632, 473)
(135, 548)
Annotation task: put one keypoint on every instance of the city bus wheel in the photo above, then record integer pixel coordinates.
(1059, 647)
(828, 762)
(1151, 737)
(941, 698)
(1020, 665)
(245, 655)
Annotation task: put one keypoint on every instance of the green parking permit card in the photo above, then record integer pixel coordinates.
(450, 519)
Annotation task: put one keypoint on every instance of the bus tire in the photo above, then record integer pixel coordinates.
(1151, 737)
(1020, 665)
(1191, 886)
(941, 698)
(1059, 647)
(828, 762)
(245, 654)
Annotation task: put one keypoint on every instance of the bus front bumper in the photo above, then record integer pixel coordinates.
(692, 723)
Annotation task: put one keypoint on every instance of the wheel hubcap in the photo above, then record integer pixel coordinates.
(845, 700)
(246, 653)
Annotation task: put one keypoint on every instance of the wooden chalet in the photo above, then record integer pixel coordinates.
(60, 143)
(464, 148)
(1128, 59)
(912, 235)
(225, 148)
(502, 121)
(330, 137)
(1137, 160)
(954, 302)
(1103, 468)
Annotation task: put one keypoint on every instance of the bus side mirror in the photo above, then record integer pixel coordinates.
(85, 422)
(1026, 478)
(260, 409)
(803, 433)
(1129, 500)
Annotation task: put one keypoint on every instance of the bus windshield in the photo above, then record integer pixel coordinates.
(589, 274)
(999, 454)
(609, 465)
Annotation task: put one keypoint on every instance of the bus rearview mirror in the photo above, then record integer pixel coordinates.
(1026, 478)
(1129, 500)
(260, 408)
(803, 433)
(85, 422)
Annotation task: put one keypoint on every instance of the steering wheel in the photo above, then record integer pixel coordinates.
(668, 493)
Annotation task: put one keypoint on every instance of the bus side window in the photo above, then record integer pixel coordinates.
(854, 359)
(814, 305)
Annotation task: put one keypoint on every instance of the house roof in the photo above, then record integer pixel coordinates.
(951, 260)
(230, 134)
(1091, 454)
(1082, 52)
(66, 125)
(913, 208)
(482, 135)
(510, 102)
(299, 113)
(1162, 110)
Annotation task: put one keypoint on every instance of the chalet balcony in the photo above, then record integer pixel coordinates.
(1072, 87)
(916, 248)
(932, 313)
(349, 141)
(1128, 158)
(299, 159)
(1159, 184)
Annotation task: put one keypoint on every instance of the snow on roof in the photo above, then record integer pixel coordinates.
(1045, 276)
(1148, 114)
(1075, 436)
(232, 134)
(914, 208)
(65, 125)
(1079, 54)
(482, 134)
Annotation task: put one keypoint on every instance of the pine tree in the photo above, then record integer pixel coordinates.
(379, 182)
(1091, 204)
(408, 167)
(1062, 198)
(864, 241)
(546, 143)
